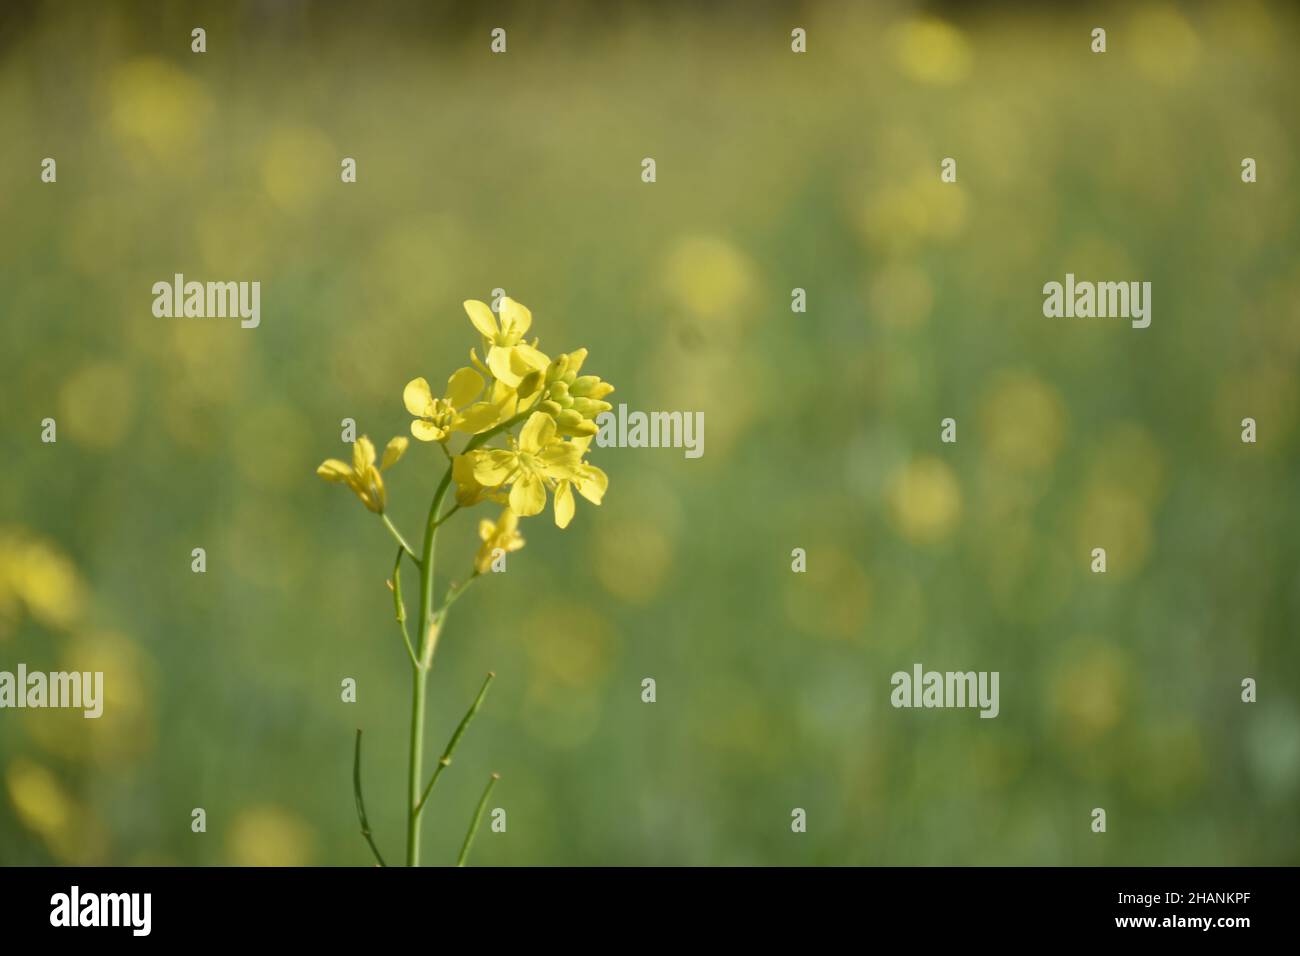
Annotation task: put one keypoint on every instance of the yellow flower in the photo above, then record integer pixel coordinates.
(437, 418)
(468, 491)
(590, 481)
(508, 356)
(537, 461)
(362, 476)
(504, 534)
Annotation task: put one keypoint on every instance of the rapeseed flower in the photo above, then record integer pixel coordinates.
(362, 476)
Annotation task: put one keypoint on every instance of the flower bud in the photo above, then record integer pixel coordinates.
(558, 367)
(529, 384)
(590, 407)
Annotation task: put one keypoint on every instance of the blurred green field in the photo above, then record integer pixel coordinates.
(774, 171)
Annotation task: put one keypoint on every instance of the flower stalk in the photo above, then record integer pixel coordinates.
(514, 385)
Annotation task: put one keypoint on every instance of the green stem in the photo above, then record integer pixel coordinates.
(430, 625)
(428, 639)
(388, 523)
(361, 804)
(478, 819)
(399, 608)
(445, 761)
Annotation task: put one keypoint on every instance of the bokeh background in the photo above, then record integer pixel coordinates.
(775, 170)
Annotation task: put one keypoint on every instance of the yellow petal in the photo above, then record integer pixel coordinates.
(514, 317)
(372, 495)
(479, 417)
(563, 504)
(363, 455)
(427, 431)
(576, 359)
(493, 467)
(486, 529)
(463, 386)
(478, 363)
(498, 360)
(528, 496)
(331, 469)
(538, 431)
(560, 460)
(482, 317)
(417, 398)
(524, 359)
(506, 399)
(592, 483)
(393, 451)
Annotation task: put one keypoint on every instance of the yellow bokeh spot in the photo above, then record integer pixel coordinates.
(1163, 44)
(40, 801)
(97, 405)
(1088, 691)
(35, 575)
(1116, 518)
(932, 51)
(125, 731)
(924, 500)
(709, 277)
(1127, 455)
(269, 836)
(156, 105)
(576, 655)
(899, 215)
(1023, 422)
(296, 166)
(632, 558)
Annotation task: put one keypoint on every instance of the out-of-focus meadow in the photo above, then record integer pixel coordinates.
(775, 170)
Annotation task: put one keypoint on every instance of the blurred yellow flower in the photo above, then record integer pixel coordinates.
(925, 500)
(157, 105)
(503, 534)
(932, 51)
(1164, 46)
(269, 836)
(35, 575)
(284, 158)
(710, 278)
(508, 356)
(1023, 420)
(362, 476)
(39, 799)
(98, 404)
